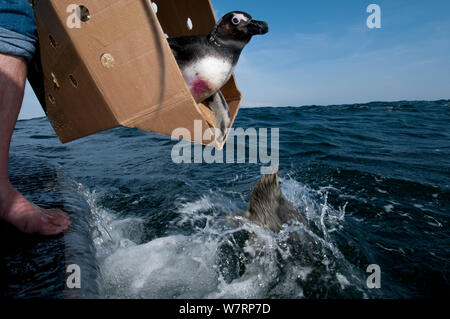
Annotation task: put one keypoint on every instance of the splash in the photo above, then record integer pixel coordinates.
(210, 253)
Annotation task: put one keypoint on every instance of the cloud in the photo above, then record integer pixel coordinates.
(316, 37)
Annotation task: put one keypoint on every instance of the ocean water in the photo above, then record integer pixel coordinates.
(373, 181)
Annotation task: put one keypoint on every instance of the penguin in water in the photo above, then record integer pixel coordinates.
(269, 208)
(208, 61)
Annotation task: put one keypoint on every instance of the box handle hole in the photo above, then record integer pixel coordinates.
(55, 82)
(51, 99)
(155, 7)
(73, 80)
(189, 24)
(83, 13)
(52, 41)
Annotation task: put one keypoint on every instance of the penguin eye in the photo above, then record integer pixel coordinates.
(236, 20)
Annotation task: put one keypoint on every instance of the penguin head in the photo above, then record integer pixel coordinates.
(239, 26)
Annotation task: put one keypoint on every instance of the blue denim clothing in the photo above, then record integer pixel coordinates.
(17, 28)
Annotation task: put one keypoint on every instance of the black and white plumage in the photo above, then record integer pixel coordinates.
(207, 61)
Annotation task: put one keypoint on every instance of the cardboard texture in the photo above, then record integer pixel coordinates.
(117, 69)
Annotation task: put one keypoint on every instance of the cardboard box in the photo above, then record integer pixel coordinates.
(117, 69)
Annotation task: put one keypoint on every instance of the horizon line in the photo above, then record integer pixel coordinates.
(300, 106)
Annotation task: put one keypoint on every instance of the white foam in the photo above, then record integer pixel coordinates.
(435, 222)
(343, 281)
(169, 267)
(186, 266)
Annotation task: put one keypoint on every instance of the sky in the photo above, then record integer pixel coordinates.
(321, 52)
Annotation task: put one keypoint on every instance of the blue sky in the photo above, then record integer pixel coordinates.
(321, 52)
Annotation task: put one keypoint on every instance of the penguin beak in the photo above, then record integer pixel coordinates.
(258, 27)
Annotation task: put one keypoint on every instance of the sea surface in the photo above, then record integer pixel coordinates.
(373, 181)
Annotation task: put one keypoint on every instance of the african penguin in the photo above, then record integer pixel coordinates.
(269, 208)
(207, 61)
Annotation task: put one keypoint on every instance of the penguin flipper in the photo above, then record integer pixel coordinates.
(185, 49)
(175, 46)
(219, 106)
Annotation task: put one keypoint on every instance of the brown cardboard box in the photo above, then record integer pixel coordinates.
(117, 69)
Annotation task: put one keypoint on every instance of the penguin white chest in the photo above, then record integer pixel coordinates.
(206, 76)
